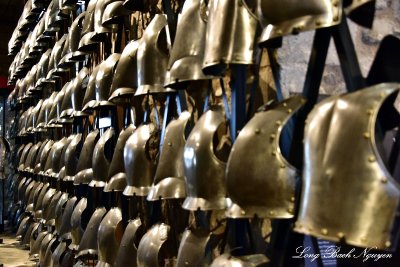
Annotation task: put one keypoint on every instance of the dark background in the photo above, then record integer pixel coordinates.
(10, 10)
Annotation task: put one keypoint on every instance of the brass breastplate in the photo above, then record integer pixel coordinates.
(345, 182)
(139, 167)
(204, 172)
(230, 37)
(260, 182)
(286, 17)
(169, 181)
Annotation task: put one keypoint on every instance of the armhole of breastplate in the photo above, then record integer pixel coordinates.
(216, 141)
(162, 41)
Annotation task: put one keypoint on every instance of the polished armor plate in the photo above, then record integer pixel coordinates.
(338, 198)
(226, 260)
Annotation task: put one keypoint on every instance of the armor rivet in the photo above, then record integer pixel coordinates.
(169, 144)
(271, 212)
(367, 135)
(272, 136)
(242, 212)
(318, 23)
(278, 122)
(388, 244)
(324, 231)
(340, 234)
(363, 239)
(289, 110)
(371, 159)
(284, 104)
(283, 166)
(336, 18)
(384, 180)
(382, 95)
(292, 199)
(273, 153)
(369, 111)
(257, 131)
(290, 210)
(279, 32)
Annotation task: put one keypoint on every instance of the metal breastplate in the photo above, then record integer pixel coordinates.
(169, 179)
(350, 194)
(204, 172)
(57, 155)
(125, 80)
(88, 244)
(46, 202)
(50, 215)
(100, 163)
(90, 93)
(151, 244)
(66, 105)
(117, 162)
(42, 68)
(128, 251)
(114, 13)
(230, 36)
(110, 235)
(192, 249)
(36, 243)
(86, 156)
(70, 158)
(71, 53)
(138, 167)
(99, 29)
(44, 117)
(56, 110)
(85, 43)
(104, 79)
(260, 182)
(226, 260)
(296, 17)
(66, 227)
(47, 241)
(76, 226)
(185, 63)
(59, 211)
(78, 92)
(151, 60)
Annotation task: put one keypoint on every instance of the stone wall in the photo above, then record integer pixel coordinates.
(294, 54)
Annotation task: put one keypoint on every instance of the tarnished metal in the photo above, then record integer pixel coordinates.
(169, 179)
(44, 115)
(186, 61)
(204, 172)
(47, 240)
(76, 224)
(139, 168)
(59, 210)
(35, 247)
(192, 248)
(109, 236)
(152, 57)
(101, 163)
(87, 27)
(56, 109)
(125, 80)
(71, 155)
(86, 156)
(151, 244)
(99, 29)
(260, 181)
(114, 13)
(230, 36)
(66, 104)
(296, 17)
(89, 100)
(117, 162)
(117, 183)
(88, 244)
(128, 250)
(78, 91)
(255, 260)
(66, 227)
(104, 79)
(333, 126)
(70, 52)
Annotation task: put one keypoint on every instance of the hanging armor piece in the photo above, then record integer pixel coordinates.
(85, 43)
(169, 181)
(152, 57)
(127, 252)
(185, 63)
(78, 91)
(139, 167)
(262, 184)
(192, 249)
(231, 30)
(204, 172)
(280, 18)
(125, 81)
(114, 13)
(111, 228)
(151, 245)
(338, 198)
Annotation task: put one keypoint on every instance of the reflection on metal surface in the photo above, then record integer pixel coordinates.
(334, 125)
